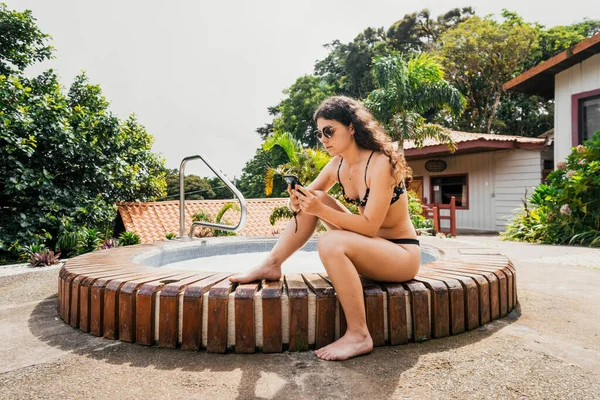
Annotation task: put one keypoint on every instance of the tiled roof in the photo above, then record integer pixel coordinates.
(152, 221)
(460, 137)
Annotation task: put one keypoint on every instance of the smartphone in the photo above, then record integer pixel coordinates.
(292, 180)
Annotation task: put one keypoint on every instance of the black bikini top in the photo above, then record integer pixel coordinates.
(398, 190)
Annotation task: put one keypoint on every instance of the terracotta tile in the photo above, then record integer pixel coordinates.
(153, 220)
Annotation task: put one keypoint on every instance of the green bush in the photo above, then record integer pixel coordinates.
(62, 152)
(415, 210)
(129, 239)
(565, 210)
(205, 231)
(73, 241)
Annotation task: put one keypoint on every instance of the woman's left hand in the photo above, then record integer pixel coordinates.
(309, 203)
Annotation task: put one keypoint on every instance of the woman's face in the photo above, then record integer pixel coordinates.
(335, 136)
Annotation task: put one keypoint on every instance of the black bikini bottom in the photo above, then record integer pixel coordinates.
(404, 241)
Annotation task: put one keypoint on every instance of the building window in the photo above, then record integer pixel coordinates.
(589, 117)
(444, 187)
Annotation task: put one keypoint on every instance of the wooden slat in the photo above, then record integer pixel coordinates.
(272, 319)
(245, 340)
(192, 311)
(502, 288)
(169, 311)
(128, 300)
(325, 310)
(440, 317)
(110, 321)
(397, 323)
(85, 297)
(97, 302)
(471, 295)
(420, 310)
(374, 311)
(456, 297)
(217, 317)
(298, 312)
(482, 288)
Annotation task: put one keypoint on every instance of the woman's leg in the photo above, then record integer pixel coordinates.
(289, 242)
(346, 255)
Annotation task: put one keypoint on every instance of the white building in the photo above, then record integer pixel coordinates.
(572, 79)
(489, 175)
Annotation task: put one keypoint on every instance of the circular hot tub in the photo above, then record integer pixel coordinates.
(176, 294)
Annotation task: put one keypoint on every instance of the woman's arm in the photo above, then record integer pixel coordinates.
(380, 194)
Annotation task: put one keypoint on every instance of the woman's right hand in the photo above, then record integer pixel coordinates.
(294, 202)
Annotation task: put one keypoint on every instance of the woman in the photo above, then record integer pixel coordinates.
(379, 244)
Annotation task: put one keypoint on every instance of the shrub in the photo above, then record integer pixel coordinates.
(206, 231)
(108, 243)
(129, 239)
(565, 210)
(415, 210)
(43, 258)
(73, 241)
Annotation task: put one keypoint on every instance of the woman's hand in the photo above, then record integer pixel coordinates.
(308, 202)
(294, 202)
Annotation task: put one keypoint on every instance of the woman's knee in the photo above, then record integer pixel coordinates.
(331, 242)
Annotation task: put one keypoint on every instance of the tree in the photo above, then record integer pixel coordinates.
(21, 41)
(481, 54)
(418, 31)
(252, 181)
(407, 90)
(196, 188)
(294, 113)
(347, 67)
(64, 159)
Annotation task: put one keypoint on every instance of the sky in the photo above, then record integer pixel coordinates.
(200, 75)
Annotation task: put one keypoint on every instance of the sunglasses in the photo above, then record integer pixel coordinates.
(327, 131)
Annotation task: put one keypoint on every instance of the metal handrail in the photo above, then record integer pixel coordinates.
(230, 185)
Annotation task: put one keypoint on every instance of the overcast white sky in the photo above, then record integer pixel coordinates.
(200, 75)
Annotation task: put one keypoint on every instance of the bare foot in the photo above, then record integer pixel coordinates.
(268, 270)
(348, 346)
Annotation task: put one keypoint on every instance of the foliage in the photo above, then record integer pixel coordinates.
(346, 69)
(406, 91)
(108, 243)
(62, 154)
(419, 31)
(73, 240)
(21, 41)
(480, 55)
(221, 190)
(203, 216)
(279, 213)
(415, 210)
(43, 258)
(252, 181)
(294, 113)
(196, 188)
(566, 210)
(304, 163)
(129, 239)
(170, 236)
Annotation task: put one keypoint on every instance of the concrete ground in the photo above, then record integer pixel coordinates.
(548, 348)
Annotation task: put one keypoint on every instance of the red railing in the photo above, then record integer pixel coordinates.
(432, 211)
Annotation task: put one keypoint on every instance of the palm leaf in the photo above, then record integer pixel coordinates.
(224, 209)
(287, 142)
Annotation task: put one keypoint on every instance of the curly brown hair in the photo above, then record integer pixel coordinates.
(368, 133)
